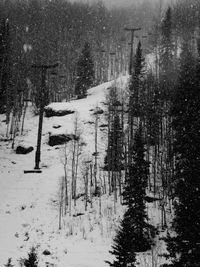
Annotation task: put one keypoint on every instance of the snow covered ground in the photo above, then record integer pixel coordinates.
(29, 202)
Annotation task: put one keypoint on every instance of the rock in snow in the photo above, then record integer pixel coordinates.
(59, 139)
(22, 149)
(50, 112)
(46, 252)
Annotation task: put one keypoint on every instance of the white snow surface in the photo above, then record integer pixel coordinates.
(29, 202)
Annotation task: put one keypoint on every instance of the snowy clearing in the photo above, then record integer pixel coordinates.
(29, 202)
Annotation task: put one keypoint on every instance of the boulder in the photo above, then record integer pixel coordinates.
(21, 149)
(78, 214)
(59, 139)
(46, 252)
(98, 111)
(49, 112)
(56, 126)
(103, 126)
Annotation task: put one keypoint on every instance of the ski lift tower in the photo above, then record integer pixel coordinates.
(43, 69)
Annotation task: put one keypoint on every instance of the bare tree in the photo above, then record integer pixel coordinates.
(76, 152)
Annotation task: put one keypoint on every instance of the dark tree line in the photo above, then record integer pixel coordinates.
(4, 63)
(46, 31)
(166, 101)
(184, 246)
(135, 234)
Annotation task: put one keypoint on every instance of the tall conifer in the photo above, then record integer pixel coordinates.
(135, 191)
(135, 83)
(115, 146)
(9, 263)
(4, 65)
(32, 260)
(167, 74)
(134, 231)
(184, 247)
(124, 244)
(85, 72)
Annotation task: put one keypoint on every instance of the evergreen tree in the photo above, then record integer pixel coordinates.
(135, 83)
(85, 72)
(184, 247)
(167, 81)
(8, 264)
(135, 192)
(115, 146)
(134, 91)
(167, 73)
(166, 41)
(134, 234)
(124, 243)
(153, 119)
(4, 71)
(32, 260)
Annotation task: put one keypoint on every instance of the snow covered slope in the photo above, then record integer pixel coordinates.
(29, 202)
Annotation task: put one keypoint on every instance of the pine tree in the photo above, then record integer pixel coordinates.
(167, 81)
(85, 72)
(115, 149)
(166, 40)
(4, 71)
(167, 77)
(134, 91)
(124, 243)
(8, 264)
(184, 247)
(32, 260)
(135, 83)
(134, 234)
(152, 114)
(2, 54)
(135, 192)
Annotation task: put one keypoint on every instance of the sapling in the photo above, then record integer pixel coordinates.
(32, 260)
(8, 264)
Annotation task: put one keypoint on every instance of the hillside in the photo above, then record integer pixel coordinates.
(29, 203)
